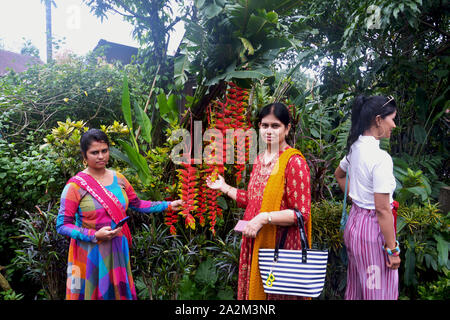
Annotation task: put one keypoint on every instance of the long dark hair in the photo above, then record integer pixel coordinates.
(279, 110)
(89, 136)
(364, 111)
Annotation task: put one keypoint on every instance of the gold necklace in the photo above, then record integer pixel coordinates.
(97, 179)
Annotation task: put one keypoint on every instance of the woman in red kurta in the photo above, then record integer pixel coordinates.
(274, 125)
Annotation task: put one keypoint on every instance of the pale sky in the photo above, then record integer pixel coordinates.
(71, 19)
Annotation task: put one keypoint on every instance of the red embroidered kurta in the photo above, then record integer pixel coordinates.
(297, 194)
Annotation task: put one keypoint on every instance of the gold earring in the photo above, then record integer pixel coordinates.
(85, 163)
(382, 135)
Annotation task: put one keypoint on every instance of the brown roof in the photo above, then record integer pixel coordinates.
(16, 61)
(115, 51)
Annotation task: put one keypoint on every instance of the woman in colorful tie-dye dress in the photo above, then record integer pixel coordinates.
(92, 204)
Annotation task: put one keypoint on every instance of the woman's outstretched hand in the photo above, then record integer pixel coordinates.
(177, 204)
(218, 184)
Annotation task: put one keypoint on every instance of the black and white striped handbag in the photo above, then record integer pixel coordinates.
(293, 272)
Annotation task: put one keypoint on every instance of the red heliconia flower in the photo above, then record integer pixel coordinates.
(171, 218)
(202, 207)
(189, 221)
(188, 189)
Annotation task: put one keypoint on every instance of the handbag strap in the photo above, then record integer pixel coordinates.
(303, 239)
(344, 207)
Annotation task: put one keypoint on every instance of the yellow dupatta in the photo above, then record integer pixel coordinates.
(272, 196)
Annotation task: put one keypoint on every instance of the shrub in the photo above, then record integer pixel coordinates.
(80, 88)
(423, 234)
(43, 252)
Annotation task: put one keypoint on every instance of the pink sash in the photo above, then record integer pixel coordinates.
(106, 198)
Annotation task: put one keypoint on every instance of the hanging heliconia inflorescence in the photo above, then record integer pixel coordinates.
(188, 186)
(232, 115)
(201, 202)
(170, 220)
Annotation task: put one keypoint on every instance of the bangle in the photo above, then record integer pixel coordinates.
(393, 252)
(169, 207)
(269, 218)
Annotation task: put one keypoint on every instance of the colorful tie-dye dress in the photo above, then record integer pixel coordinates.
(98, 270)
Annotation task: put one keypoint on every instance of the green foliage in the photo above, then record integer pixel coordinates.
(326, 234)
(160, 259)
(424, 236)
(411, 185)
(174, 267)
(133, 151)
(437, 290)
(10, 295)
(76, 88)
(322, 138)
(232, 39)
(204, 284)
(43, 252)
(64, 143)
(326, 217)
(27, 178)
(28, 49)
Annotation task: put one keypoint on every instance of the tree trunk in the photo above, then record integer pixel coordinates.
(48, 28)
(444, 199)
(4, 283)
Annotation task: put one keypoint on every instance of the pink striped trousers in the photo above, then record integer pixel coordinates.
(368, 277)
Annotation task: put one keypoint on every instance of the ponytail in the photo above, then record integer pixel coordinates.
(355, 129)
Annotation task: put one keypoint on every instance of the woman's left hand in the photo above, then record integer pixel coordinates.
(177, 204)
(253, 226)
(393, 262)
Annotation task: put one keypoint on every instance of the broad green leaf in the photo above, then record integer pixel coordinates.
(442, 248)
(222, 203)
(126, 106)
(255, 25)
(116, 153)
(420, 191)
(206, 273)
(410, 265)
(138, 161)
(420, 135)
(199, 3)
(421, 103)
(162, 103)
(144, 122)
(272, 17)
(248, 46)
(168, 108)
(172, 104)
(401, 223)
(212, 10)
(180, 66)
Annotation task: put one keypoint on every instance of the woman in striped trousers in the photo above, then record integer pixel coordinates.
(372, 248)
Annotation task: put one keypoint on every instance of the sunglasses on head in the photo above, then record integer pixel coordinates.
(390, 98)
